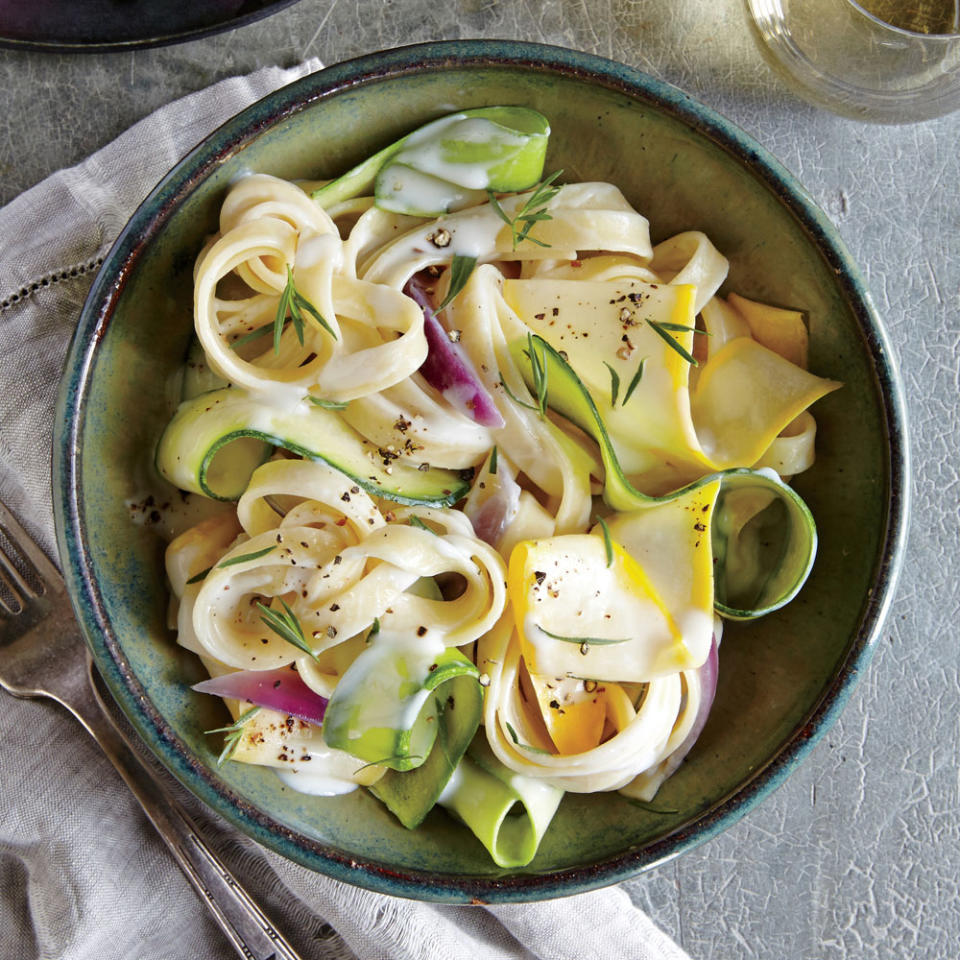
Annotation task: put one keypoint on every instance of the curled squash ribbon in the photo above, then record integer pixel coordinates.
(763, 535)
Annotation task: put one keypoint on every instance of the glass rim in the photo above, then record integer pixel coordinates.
(913, 34)
(824, 87)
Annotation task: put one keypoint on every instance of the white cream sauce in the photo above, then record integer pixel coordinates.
(298, 778)
(426, 150)
(392, 661)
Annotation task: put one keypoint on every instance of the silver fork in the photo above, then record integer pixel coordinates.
(46, 657)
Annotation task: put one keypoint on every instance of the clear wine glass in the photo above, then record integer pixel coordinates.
(890, 61)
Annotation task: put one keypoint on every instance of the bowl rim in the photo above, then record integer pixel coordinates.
(79, 569)
(51, 43)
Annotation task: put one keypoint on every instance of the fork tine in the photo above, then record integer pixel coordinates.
(46, 572)
(16, 585)
(11, 598)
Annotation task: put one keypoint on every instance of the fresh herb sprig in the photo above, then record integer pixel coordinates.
(386, 761)
(538, 371)
(328, 404)
(494, 456)
(533, 211)
(585, 641)
(234, 734)
(683, 328)
(460, 270)
(256, 555)
(292, 301)
(631, 386)
(202, 575)
(663, 329)
(607, 540)
(519, 743)
(286, 626)
(635, 382)
(254, 335)
(415, 521)
(515, 398)
(614, 384)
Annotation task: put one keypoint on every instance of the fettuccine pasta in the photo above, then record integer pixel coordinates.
(494, 475)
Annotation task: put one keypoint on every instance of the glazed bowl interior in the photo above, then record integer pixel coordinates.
(782, 679)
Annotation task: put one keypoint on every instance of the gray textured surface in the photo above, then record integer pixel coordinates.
(858, 854)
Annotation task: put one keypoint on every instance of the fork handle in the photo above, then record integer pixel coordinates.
(252, 934)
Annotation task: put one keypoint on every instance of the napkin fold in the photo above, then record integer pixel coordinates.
(82, 874)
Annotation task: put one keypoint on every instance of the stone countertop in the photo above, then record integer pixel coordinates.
(858, 854)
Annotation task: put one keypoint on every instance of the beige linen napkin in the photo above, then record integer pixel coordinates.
(82, 875)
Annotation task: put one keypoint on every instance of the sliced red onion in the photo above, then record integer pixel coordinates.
(447, 367)
(706, 675)
(490, 508)
(281, 689)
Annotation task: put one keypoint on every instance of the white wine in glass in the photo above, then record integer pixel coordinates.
(888, 61)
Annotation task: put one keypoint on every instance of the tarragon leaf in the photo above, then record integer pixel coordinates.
(635, 382)
(286, 626)
(247, 556)
(234, 734)
(460, 271)
(661, 330)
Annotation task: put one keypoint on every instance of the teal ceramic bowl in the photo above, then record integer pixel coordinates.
(783, 680)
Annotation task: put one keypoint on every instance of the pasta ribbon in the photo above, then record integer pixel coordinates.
(516, 738)
(358, 337)
(339, 567)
